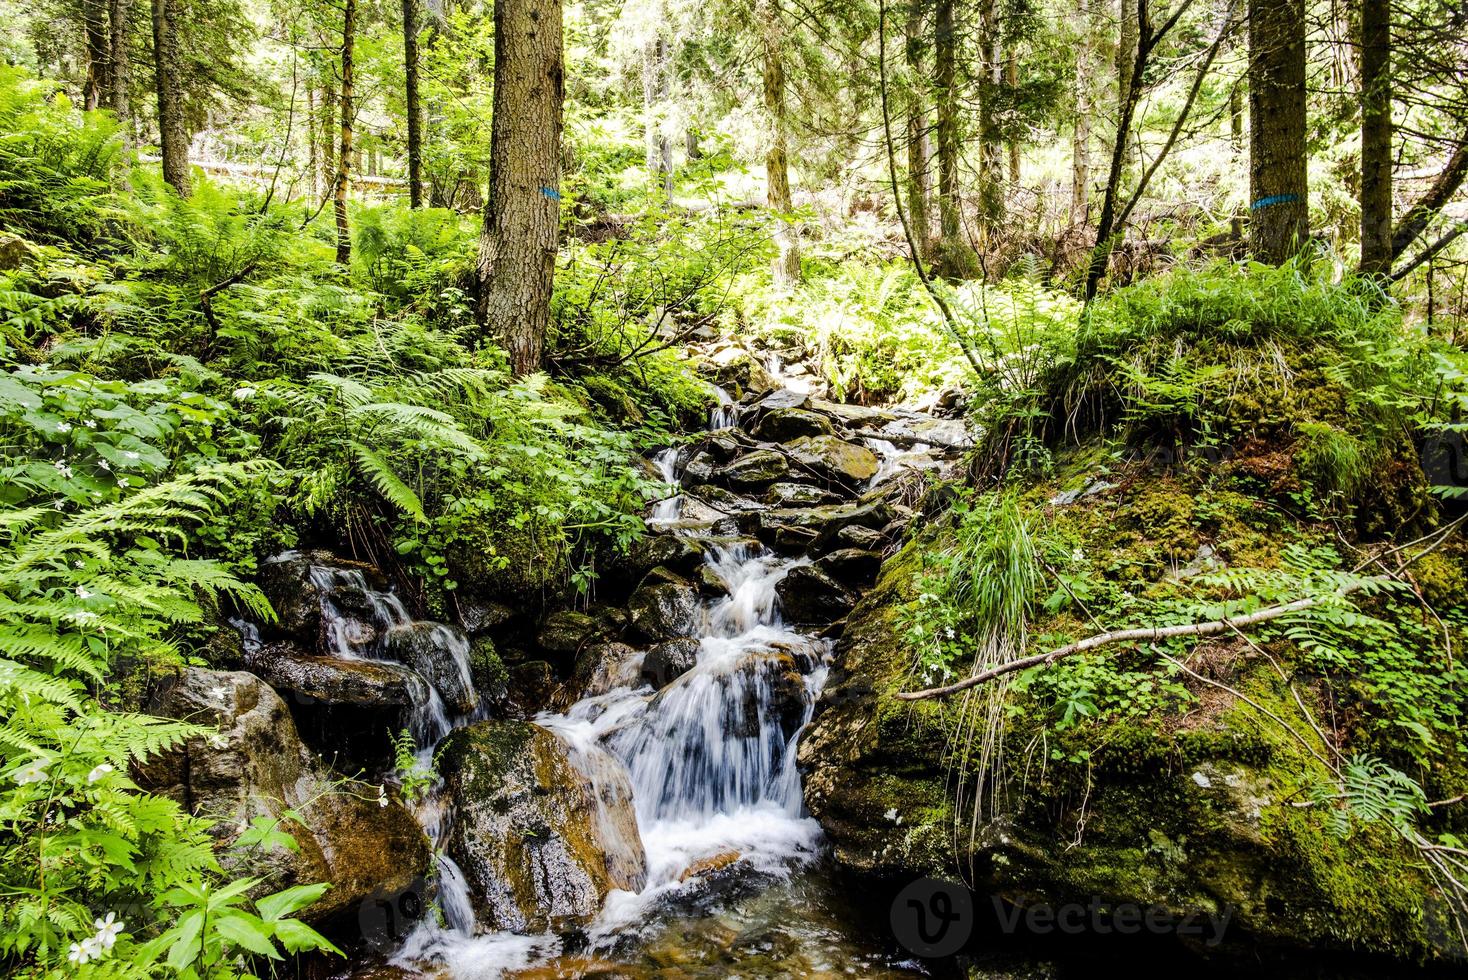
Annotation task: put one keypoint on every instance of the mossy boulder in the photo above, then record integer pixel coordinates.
(528, 828)
(666, 605)
(1199, 816)
(835, 459)
(256, 766)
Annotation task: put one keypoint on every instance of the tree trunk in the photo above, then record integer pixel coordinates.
(991, 153)
(1129, 34)
(777, 169)
(659, 149)
(919, 177)
(1376, 137)
(173, 137)
(1080, 144)
(344, 155)
(97, 88)
(1236, 142)
(117, 20)
(1279, 216)
(414, 110)
(517, 249)
(691, 147)
(953, 253)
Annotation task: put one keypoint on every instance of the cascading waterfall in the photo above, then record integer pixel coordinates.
(360, 622)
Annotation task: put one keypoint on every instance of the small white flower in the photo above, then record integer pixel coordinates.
(222, 693)
(82, 592)
(1078, 555)
(891, 814)
(92, 947)
(92, 777)
(90, 423)
(948, 632)
(382, 801)
(60, 504)
(107, 929)
(79, 954)
(78, 564)
(63, 468)
(32, 772)
(63, 426)
(241, 394)
(105, 465)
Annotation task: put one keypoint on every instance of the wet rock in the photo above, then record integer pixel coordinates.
(567, 631)
(725, 444)
(440, 655)
(669, 660)
(602, 667)
(755, 469)
(256, 766)
(528, 827)
(834, 459)
(808, 595)
(780, 399)
(487, 668)
(532, 684)
(709, 865)
(787, 424)
(700, 469)
(14, 251)
(664, 606)
(725, 501)
(852, 567)
(797, 495)
(478, 615)
(331, 680)
(287, 582)
(669, 550)
(855, 416)
(710, 582)
(948, 433)
(822, 524)
(736, 369)
(856, 536)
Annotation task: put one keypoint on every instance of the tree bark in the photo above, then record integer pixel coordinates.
(1129, 34)
(919, 176)
(97, 88)
(118, 12)
(1376, 137)
(312, 164)
(410, 97)
(990, 204)
(517, 248)
(173, 136)
(777, 166)
(1279, 216)
(953, 253)
(1080, 143)
(1011, 83)
(344, 155)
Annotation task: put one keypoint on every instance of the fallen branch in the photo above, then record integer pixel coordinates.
(1148, 634)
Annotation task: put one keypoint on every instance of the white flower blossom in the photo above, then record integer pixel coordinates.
(82, 592)
(105, 465)
(108, 929)
(63, 468)
(222, 693)
(63, 426)
(80, 953)
(90, 423)
(92, 777)
(32, 772)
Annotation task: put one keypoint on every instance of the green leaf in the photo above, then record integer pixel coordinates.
(297, 937)
(248, 932)
(283, 903)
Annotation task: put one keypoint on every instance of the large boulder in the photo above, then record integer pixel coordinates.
(797, 495)
(331, 680)
(296, 582)
(755, 469)
(256, 766)
(835, 459)
(600, 668)
(669, 660)
(737, 370)
(665, 605)
(1196, 818)
(529, 829)
(809, 596)
(852, 567)
(567, 631)
(819, 525)
(787, 424)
